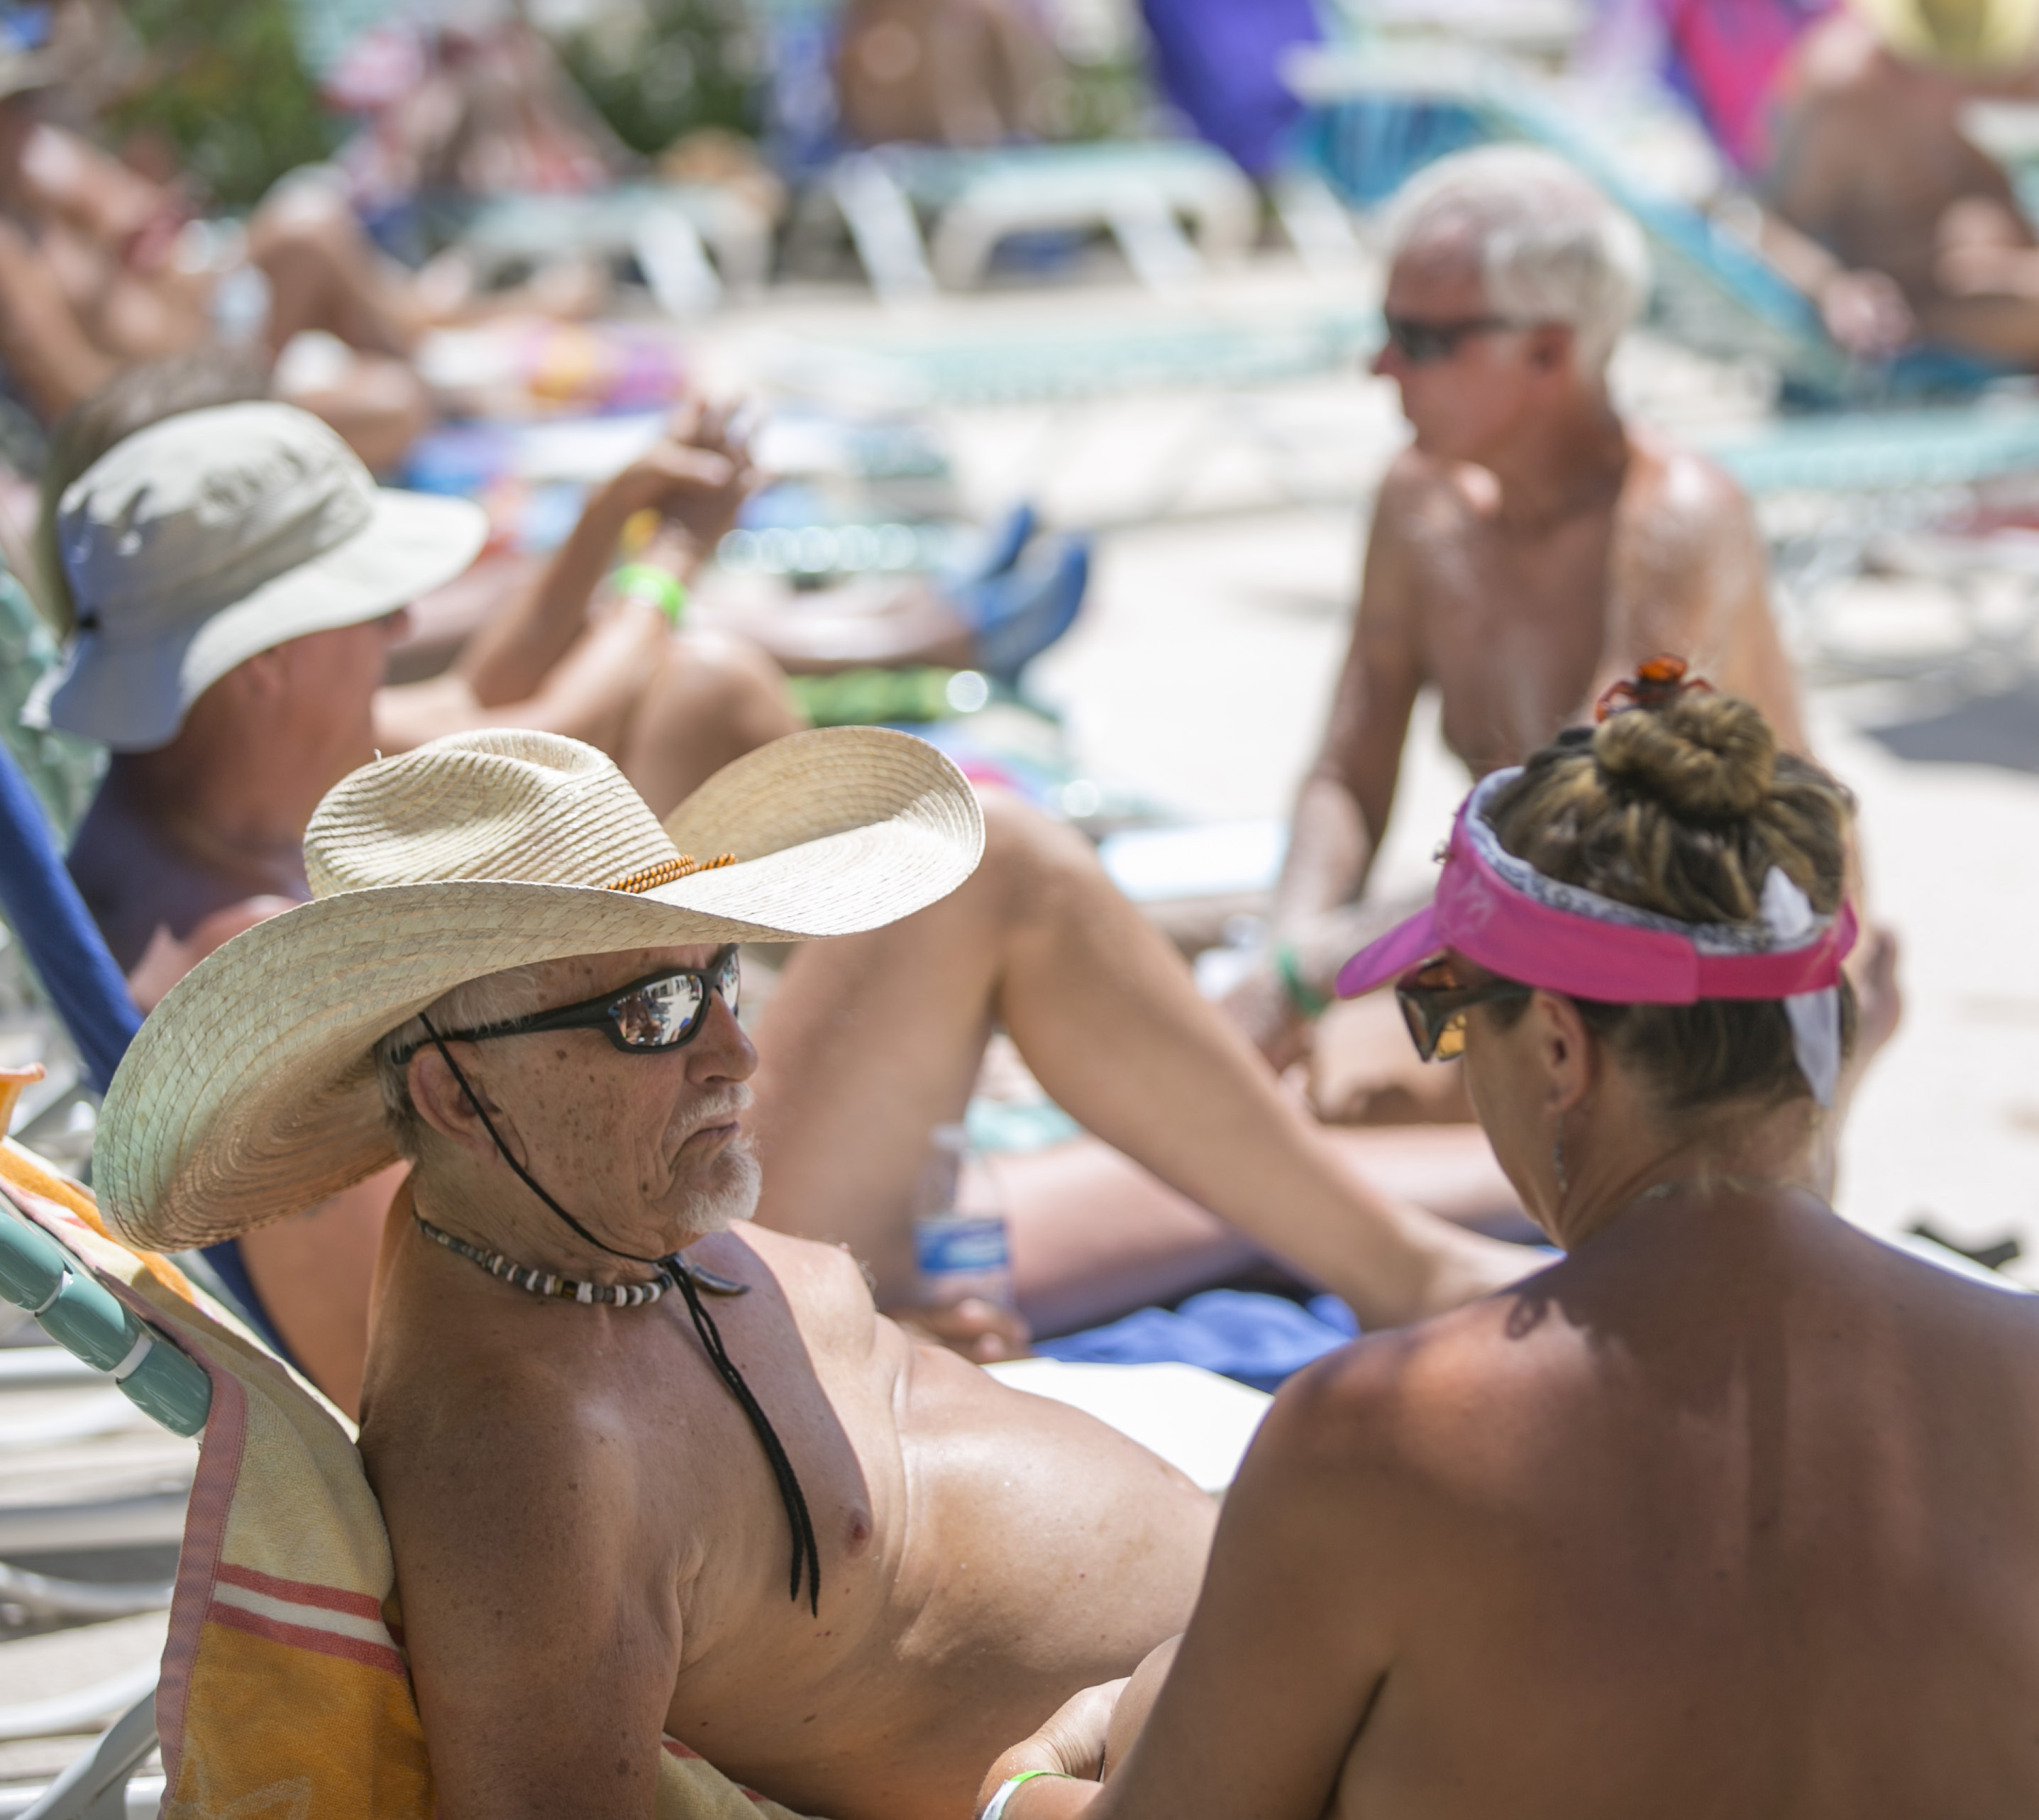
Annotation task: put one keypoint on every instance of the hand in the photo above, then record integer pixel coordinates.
(1072, 1743)
(1261, 1007)
(981, 1332)
(1866, 313)
(697, 475)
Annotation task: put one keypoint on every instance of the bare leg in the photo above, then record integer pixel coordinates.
(711, 700)
(323, 272)
(380, 408)
(872, 1040)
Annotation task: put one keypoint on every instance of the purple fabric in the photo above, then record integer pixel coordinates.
(1220, 63)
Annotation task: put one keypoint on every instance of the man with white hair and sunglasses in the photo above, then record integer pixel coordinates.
(1528, 547)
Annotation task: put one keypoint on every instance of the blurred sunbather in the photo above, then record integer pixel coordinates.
(1730, 1512)
(946, 72)
(234, 669)
(1883, 208)
(1530, 546)
(98, 270)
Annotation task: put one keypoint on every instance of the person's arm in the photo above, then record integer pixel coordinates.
(46, 350)
(1343, 808)
(543, 1653)
(1293, 1633)
(1802, 193)
(696, 477)
(1866, 311)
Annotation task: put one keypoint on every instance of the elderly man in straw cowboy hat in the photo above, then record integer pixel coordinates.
(1885, 211)
(646, 1472)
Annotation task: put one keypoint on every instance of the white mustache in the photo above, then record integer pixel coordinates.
(729, 1105)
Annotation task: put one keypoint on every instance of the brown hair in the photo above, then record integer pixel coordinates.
(130, 402)
(1681, 805)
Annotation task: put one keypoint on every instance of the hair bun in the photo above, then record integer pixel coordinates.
(1702, 754)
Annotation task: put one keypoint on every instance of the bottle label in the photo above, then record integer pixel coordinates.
(972, 1244)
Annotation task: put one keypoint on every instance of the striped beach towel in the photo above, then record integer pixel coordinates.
(284, 1690)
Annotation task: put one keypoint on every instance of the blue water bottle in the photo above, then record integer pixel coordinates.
(960, 1235)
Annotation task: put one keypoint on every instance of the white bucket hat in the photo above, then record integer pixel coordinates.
(250, 1092)
(196, 543)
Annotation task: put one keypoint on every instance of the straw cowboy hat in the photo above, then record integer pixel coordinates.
(1978, 36)
(250, 1092)
(194, 544)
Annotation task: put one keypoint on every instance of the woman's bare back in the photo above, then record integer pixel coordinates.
(1741, 1515)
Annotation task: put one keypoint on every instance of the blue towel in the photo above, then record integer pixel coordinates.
(1259, 1340)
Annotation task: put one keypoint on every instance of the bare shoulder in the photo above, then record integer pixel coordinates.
(1418, 495)
(1416, 1410)
(1673, 492)
(455, 1428)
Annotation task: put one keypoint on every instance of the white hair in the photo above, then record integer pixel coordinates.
(1551, 248)
(473, 1004)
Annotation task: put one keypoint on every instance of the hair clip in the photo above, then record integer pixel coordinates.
(666, 872)
(1657, 682)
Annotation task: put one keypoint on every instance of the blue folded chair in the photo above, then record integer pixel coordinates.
(87, 990)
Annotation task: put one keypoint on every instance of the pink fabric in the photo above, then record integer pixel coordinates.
(1730, 54)
(1483, 917)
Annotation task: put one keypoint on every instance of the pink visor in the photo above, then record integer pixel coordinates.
(1499, 911)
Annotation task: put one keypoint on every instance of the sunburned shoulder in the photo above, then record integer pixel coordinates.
(1422, 498)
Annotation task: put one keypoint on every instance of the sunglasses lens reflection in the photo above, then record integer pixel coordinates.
(657, 1015)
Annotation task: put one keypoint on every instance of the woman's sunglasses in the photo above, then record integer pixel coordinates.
(660, 1012)
(1434, 1003)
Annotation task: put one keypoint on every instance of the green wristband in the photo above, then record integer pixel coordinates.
(654, 586)
(995, 1808)
(1308, 1000)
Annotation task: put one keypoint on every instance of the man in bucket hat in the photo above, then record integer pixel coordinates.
(645, 1474)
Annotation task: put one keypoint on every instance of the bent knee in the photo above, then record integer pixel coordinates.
(719, 673)
(1034, 862)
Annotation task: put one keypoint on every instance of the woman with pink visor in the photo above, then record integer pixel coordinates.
(1733, 1510)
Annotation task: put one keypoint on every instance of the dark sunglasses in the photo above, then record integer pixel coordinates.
(1426, 343)
(1434, 1003)
(660, 1012)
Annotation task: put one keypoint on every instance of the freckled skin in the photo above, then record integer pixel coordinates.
(984, 1553)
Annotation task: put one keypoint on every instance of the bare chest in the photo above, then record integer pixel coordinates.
(1513, 632)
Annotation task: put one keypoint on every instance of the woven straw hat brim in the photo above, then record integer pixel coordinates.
(250, 1092)
(131, 694)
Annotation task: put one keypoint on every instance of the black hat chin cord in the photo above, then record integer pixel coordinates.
(807, 1551)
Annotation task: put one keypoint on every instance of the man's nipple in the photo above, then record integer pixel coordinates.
(856, 1532)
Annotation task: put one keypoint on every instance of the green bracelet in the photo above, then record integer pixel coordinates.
(653, 586)
(995, 1808)
(1308, 1000)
